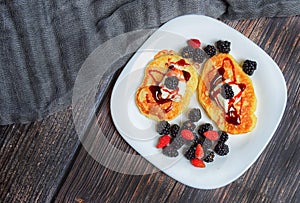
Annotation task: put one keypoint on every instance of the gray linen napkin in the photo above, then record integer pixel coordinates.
(45, 42)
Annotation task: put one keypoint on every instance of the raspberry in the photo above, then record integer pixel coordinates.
(193, 142)
(187, 134)
(170, 151)
(249, 67)
(223, 136)
(174, 130)
(189, 125)
(211, 135)
(210, 157)
(171, 82)
(187, 52)
(221, 149)
(194, 115)
(199, 56)
(198, 163)
(199, 152)
(210, 50)
(163, 128)
(223, 46)
(195, 43)
(226, 91)
(163, 141)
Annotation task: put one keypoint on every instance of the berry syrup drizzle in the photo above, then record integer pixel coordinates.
(232, 115)
(156, 89)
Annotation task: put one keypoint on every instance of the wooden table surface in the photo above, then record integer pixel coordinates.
(44, 161)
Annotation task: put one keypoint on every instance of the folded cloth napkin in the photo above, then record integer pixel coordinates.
(45, 42)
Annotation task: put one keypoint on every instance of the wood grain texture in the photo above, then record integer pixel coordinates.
(34, 158)
(44, 161)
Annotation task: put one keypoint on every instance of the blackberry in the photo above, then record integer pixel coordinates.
(190, 153)
(187, 52)
(221, 149)
(174, 130)
(201, 139)
(206, 144)
(163, 128)
(226, 91)
(170, 151)
(171, 82)
(194, 115)
(199, 56)
(210, 157)
(177, 142)
(189, 125)
(210, 50)
(249, 67)
(193, 142)
(204, 127)
(223, 136)
(223, 46)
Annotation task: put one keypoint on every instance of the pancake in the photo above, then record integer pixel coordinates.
(154, 99)
(234, 115)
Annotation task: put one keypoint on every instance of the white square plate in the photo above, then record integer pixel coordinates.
(139, 131)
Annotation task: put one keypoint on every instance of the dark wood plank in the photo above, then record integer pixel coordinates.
(274, 177)
(93, 176)
(35, 157)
